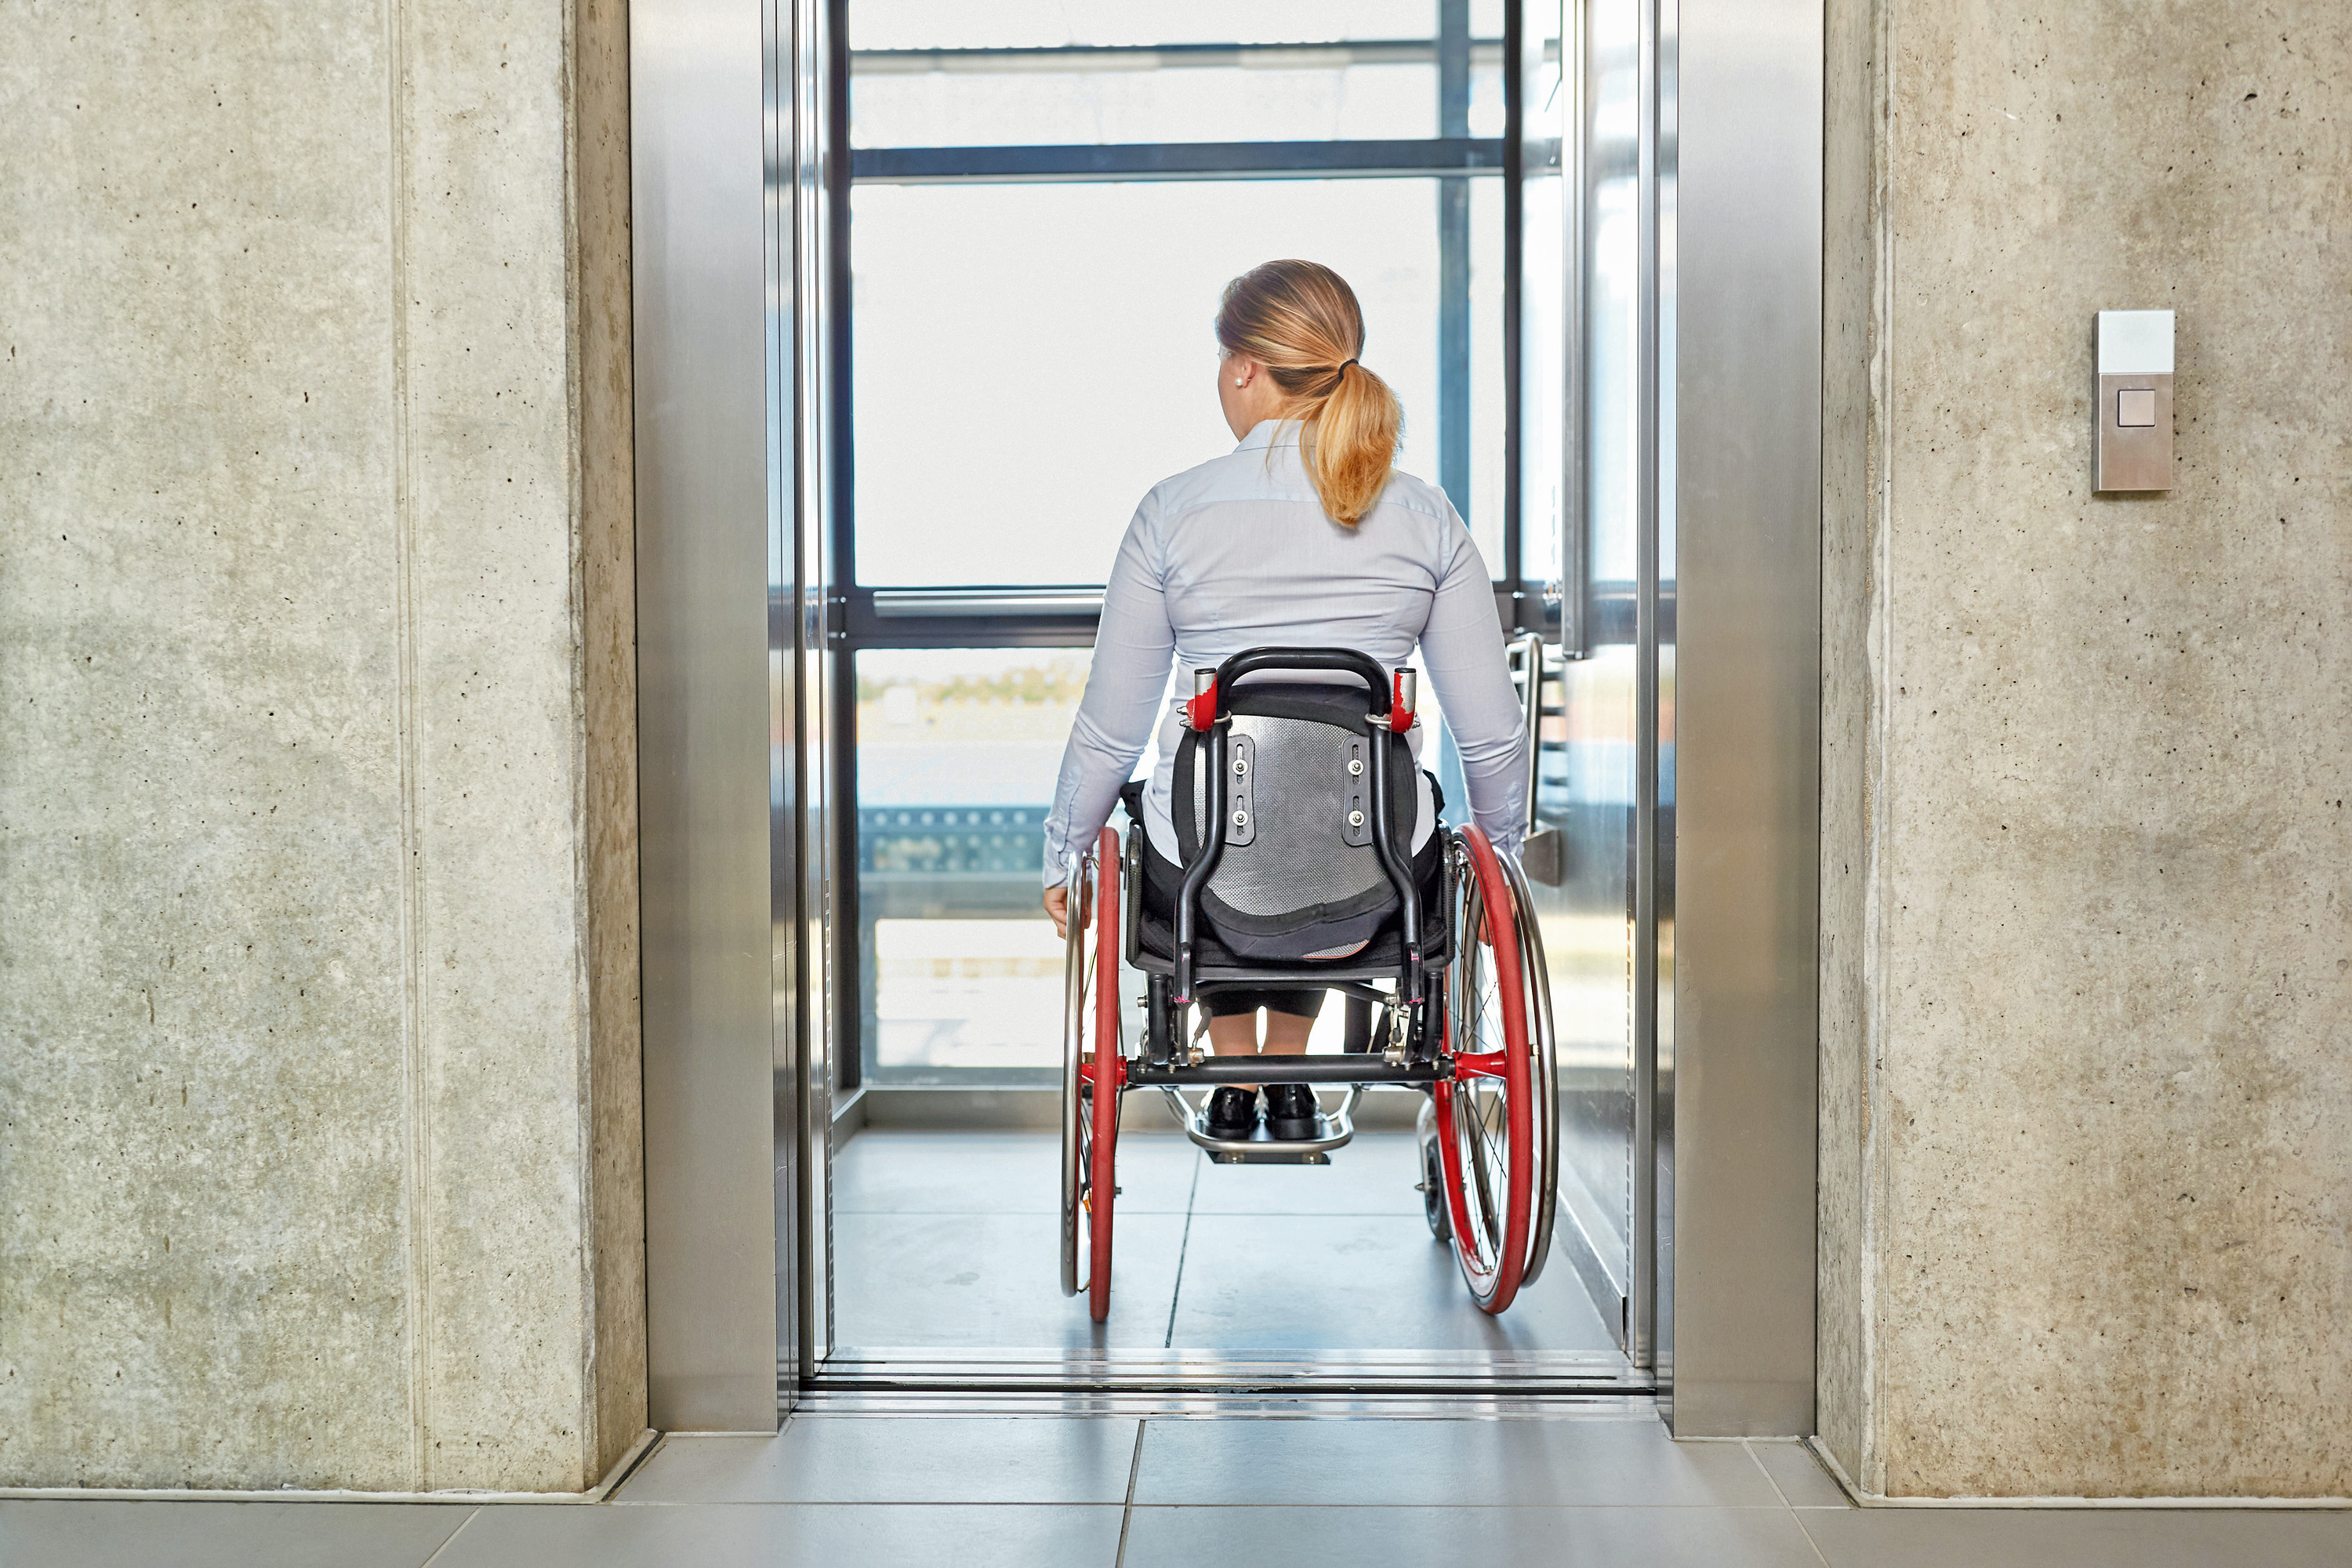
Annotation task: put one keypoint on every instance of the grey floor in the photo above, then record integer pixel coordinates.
(1020, 1492)
(945, 1243)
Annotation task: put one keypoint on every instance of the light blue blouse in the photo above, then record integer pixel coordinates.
(1239, 553)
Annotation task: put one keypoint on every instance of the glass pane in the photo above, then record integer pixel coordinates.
(1031, 359)
(1009, 75)
(1588, 768)
(961, 972)
(1586, 785)
(1046, 24)
(1612, 432)
(1543, 382)
(1545, 297)
(1485, 513)
(909, 104)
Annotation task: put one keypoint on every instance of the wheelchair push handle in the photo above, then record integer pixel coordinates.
(1393, 693)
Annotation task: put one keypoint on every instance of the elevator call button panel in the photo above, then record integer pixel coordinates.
(2134, 438)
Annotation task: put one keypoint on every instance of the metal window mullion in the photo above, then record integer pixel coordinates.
(1515, 206)
(1087, 161)
(840, 677)
(1576, 177)
(1453, 261)
(1336, 55)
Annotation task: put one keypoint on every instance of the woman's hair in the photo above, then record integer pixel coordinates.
(1300, 320)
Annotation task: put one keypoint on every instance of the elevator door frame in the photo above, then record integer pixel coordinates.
(733, 334)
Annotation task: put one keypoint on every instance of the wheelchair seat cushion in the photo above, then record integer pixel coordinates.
(1297, 880)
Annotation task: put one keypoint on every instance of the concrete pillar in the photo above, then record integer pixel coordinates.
(319, 1151)
(2087, 1130)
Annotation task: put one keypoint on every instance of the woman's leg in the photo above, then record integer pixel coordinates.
(1290, 1111)
(1285, 1033)
(1236, 1035)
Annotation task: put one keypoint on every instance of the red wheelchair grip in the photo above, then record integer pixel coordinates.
(1201, 708)
(1400, 698)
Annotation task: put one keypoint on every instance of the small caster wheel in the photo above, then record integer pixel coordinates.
(1431, 1185)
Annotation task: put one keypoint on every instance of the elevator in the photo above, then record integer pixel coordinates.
(988, 245)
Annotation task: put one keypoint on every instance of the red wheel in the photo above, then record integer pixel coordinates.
(1487, 1111)
(1107, 1074)
(1093, 1074)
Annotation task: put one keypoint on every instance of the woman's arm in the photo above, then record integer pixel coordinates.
(1463, 647)
(1133, 648)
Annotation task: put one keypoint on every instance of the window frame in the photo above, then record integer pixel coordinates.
(862, 615)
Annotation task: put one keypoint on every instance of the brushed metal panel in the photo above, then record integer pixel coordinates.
(807, 901)
(700, 262)
(796, 401)
(1736, 1123)
(2134, 454)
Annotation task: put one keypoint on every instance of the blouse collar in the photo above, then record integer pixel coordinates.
(1268, 432)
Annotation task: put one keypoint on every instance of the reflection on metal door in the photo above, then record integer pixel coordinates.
(1604, 768)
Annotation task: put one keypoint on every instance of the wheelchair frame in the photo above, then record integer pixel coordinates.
(1497, 1205)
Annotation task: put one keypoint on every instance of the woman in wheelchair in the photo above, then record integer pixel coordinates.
(1302, 537)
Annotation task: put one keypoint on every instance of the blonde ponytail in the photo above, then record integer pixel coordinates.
(1300, 320)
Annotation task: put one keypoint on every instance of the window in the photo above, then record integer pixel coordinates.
(1040, 206)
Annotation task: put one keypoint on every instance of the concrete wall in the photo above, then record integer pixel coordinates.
(2087, 1131)
(318, 1091)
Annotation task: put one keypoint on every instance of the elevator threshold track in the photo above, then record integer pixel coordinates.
(1387, 1376)
(827, 1399)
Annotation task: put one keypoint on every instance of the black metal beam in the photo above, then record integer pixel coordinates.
(1177, 160)
(1271, 1069)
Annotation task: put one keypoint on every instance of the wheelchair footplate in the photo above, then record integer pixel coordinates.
(1332, 1130)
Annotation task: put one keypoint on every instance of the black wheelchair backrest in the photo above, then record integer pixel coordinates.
(1299, 875)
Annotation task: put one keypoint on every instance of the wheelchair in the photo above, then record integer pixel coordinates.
(1312, 881)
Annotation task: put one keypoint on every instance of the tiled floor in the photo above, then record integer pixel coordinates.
(1119, 1492)
(946, 1241)
(946, 1244)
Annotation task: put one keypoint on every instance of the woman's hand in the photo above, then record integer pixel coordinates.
(1057, 904)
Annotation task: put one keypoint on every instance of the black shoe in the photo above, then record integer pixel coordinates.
(1290, 1112)
(1232, 1112)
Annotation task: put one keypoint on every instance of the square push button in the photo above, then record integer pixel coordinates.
(2136, 408)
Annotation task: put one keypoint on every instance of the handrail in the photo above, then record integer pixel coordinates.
(900, 604)
(1528, 663)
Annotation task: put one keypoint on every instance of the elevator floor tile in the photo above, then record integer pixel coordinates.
(1375, 1174)
(883, 1171)
(947, 1241)
(1004, 1535)
(73, 1534)
(1489, 1463)
(1491, 1537)
(992, 1280)
(934, 1459)
(1360, 1282)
